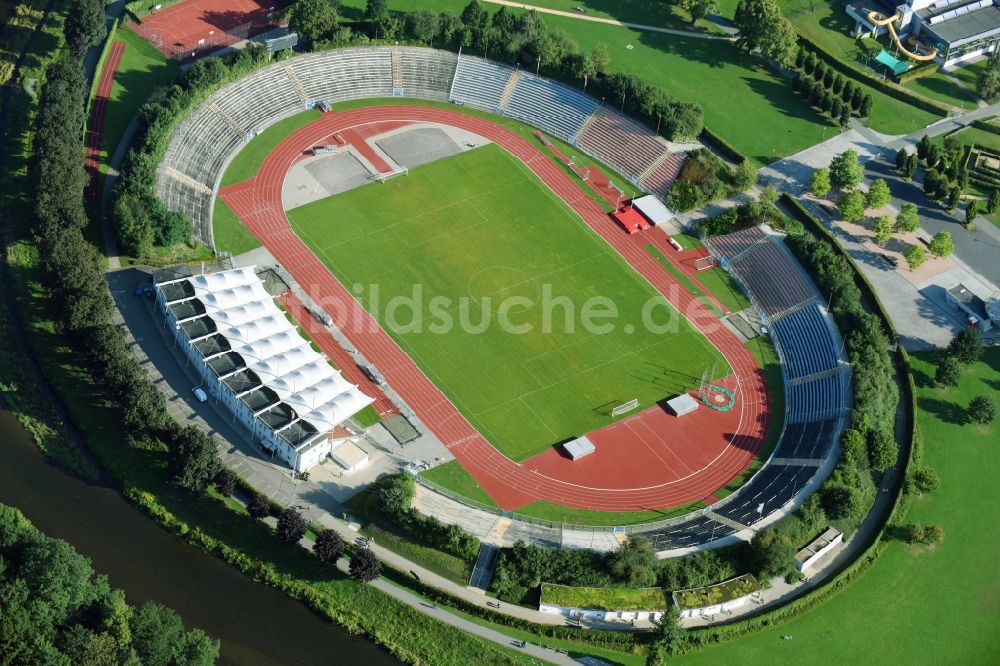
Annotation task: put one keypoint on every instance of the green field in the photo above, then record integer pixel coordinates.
(142, 70)
(480, 239)
(917, 605)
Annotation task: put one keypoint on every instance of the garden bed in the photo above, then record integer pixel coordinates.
(604, 598)
(713, 595)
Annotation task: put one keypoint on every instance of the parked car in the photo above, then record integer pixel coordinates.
(372, 375)
(200, 394)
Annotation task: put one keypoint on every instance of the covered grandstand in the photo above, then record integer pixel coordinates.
(253, 361)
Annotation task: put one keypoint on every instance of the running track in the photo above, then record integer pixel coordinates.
(95, 124)
(257, 202)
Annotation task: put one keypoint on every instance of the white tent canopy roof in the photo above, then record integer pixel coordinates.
(257, 330)
(653, 209)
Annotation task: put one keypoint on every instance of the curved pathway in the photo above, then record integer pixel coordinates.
(258, 203)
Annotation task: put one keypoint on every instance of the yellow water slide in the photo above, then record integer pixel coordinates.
(877, 18)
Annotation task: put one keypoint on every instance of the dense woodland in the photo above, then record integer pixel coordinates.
(57, 610)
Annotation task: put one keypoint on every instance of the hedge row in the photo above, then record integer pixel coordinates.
(807, 219)
(992, 128)
(919, 71)
(887, 87)
(713, 140)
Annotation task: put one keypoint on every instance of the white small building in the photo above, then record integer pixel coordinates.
(579, 447)
(603, 604)
(819, 547)
(653, 209)
(256, 365)
(682, 404)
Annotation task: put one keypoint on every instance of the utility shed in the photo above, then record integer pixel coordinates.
(682, 404)
(579, 447)
(653, 209)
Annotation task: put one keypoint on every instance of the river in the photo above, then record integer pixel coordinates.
(256, 624)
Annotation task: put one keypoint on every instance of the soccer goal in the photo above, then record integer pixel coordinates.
(625, 407)
(382, 177)
(704, 263)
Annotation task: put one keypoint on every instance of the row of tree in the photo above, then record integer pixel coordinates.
(828, 90)
(74, 272)
(522, 39)
(57, 610)
(964, 349)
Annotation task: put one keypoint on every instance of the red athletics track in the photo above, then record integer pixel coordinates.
(180, 26)
(95, 124)
(731, 440)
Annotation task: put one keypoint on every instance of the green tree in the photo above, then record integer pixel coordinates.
(312, 19)
(422, 25)
(600, 55)
(840, 502)
(954, 196)
(820, 182)
(988, 83)
(913, 533)
(882, 450)
(376, 10)
(194, 459)
(941, 245)
(878, 194)
(225, 483)
(926, 480)
(291, 526)
(634, 563)
(971, 212)
(259, 507)
(983, 409)
(993, 203)
(911, 167)
(854, 448)
(669, 637)
(699, 9)
(329, 546)
(884, 228)
(505, 23)
(923, 145)
(762, 26)
(967, 345)
(908, 220)
(948, 372)
(396, 495)
(85, 25)
(364, 566)
(901, 156)
(745, 175)
(852, 207)
(846, 171)
(771, 553)
(475, 18)
(934, 534)
(865, 109)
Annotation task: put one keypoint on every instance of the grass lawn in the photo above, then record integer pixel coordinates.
(529, 379)
(724, 288)
(917, 605)
(453, 476)
(142, 70)
(247, 162)
(968, 74)
(942, 87)
(683, 279)
(229, 233)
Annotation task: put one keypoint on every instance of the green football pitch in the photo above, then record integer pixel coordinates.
(477, 238)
